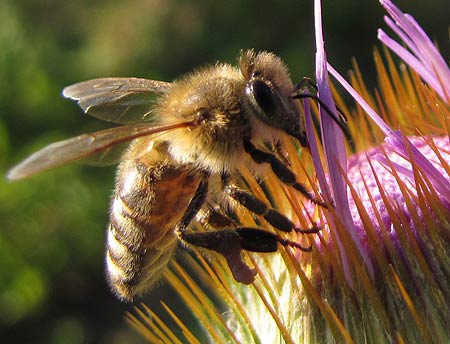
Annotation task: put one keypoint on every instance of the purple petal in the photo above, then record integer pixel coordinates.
(314, 151)
(410, 60)
(408, 151)
(334, 148)
(360, 100)
(427, 61)
(397, 141)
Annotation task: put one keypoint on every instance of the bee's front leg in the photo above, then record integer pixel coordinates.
(283, 173)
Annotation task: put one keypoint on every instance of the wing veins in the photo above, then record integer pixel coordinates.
(80, 147)
(119, 100)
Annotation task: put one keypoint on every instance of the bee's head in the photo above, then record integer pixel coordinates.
(269, 91)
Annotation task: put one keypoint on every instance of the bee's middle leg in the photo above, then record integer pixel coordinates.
(255, 205)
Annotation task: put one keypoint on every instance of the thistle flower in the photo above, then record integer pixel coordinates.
(380, 268)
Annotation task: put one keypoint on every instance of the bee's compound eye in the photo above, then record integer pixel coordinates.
(273, 106)
(264, 97)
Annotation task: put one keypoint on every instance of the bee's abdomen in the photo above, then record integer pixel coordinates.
(132, 264)
(148, 203)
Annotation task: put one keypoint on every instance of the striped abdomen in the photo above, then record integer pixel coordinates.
(150, 199)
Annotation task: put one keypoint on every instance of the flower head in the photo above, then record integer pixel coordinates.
(379, 270)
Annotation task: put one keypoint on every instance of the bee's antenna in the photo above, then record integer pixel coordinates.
(340, 120)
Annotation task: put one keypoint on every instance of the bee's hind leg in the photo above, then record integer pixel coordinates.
(226, 242)
(230, 242)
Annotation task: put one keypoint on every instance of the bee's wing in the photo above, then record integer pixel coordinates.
(118, 100)
(83, 146)
(107, 157)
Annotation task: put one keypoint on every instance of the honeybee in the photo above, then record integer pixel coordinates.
(184, 156)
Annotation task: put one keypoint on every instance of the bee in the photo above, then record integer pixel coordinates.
(184, 154)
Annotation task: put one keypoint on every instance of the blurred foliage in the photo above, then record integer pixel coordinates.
(52, 288)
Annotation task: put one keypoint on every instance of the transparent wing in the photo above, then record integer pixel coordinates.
(111, 155)
(118, 100)
(107, 157)
(83, 146)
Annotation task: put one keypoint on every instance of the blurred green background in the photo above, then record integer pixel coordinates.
(52, 287)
